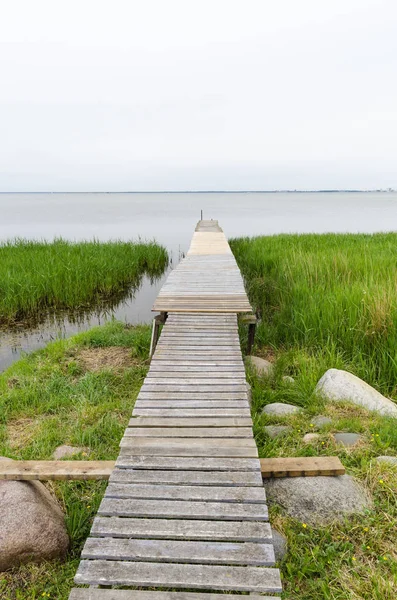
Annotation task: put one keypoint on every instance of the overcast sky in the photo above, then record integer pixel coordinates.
(197, 94)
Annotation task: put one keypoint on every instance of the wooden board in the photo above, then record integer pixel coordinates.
(26, 470)
(146, 574)
(102, 594)
(179, 551)
(180, 509)
(217, 478)
(200, 493)
(308, 466)
(182, 529)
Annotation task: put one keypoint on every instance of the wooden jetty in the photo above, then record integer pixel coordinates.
(185, 508)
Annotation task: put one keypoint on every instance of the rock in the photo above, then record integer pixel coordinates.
(280, 545)
(32, 524)
(347, 439)
(309, 438)
(249, 392)
(340, 386)
(66, 451)
(280, 409)
(288, 380)
(390, 460)
(263, 367)
(320, 421)
(318, 500)
(275, 431)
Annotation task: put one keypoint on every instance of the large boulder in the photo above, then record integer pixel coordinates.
(32, 526)
(339, 386)
(318, 500)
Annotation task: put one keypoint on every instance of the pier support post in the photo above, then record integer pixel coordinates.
(157, 321)
(250, 320)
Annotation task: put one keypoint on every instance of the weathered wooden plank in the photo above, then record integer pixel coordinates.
(179, 509)
(194, 383)
(198, 451)
(177, 551)
(306, 466)
(181, 477)
(187, 463)
(189, 403)
(235, 531)
(44, 470)
(190, 432)
(214, 493)
(193, 412)
(193, 442)
(190, 422)
(214, 577)
(114, 594)
(189, 396)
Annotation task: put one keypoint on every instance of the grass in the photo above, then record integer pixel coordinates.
(40, 277)
(63, 395)
(333, 292)
(328, 301)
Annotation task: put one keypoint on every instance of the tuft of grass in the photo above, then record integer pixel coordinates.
(41, 277)
(52, 397)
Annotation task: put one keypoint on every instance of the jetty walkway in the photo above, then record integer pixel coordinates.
(185, 508)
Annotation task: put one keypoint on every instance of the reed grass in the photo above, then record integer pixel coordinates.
(329, 290)
(38, 277)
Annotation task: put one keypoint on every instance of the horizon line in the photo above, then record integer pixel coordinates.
(275, 191)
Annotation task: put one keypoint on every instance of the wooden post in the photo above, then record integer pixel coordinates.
(250, 320)
(157, 321)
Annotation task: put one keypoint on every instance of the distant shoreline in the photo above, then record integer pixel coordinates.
(378, 191)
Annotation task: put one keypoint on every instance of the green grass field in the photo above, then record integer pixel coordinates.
(38, 277)
(329, 301)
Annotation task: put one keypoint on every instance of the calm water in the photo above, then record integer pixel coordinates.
(170, 219)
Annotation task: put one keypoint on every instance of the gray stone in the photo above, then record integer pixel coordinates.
(347, 439)
(339, 386)
(263, 367)
(318, 500)
(309, 438)
(66, 451)
(249, 392)
(275, 431)
(288, 380)
(390, 460)
(280, 545)
(320, 421)
(279, 409)
(32, 524)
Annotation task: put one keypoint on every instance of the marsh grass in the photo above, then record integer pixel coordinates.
(39, 277)
(330, 291)
(51, 397)
(329, 301)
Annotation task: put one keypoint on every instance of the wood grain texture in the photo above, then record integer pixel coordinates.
(212, 577)
(307, 466)
(102, 594)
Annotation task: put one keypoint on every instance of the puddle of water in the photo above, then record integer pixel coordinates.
(134, 310)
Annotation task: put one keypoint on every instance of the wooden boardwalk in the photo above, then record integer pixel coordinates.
(185, 506)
